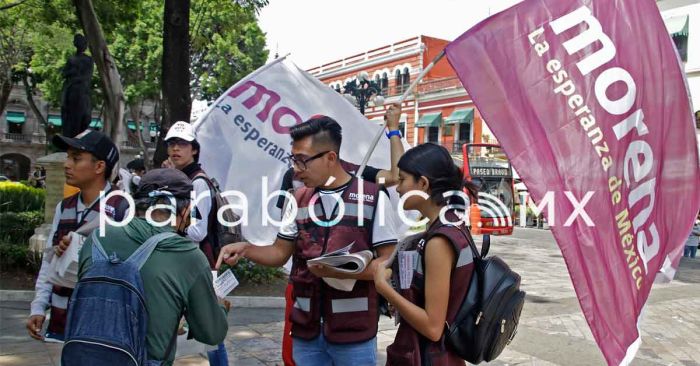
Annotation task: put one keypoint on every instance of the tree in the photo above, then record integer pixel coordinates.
(14, 49)
(107, 69)
(175, 69)
(223, 43)
(138, 51)
(227, 44)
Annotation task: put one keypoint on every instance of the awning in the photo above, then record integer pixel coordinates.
(430, 120)
(15, 117)
(460, 116)
(132, 125)
(677, 26)
(55, 120)
(96, 123)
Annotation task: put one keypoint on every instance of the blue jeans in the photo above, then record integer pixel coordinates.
(319, 352)
(690, 251)
(219, 356)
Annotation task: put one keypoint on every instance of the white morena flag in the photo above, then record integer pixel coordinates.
(245, 138)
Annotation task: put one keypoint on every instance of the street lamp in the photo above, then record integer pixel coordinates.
(362, 91)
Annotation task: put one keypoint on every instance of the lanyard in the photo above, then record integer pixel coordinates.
(83, 214)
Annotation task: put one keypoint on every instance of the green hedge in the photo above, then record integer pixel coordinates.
(249, 272)
(19, 256)
(18, 227)
(17, 197)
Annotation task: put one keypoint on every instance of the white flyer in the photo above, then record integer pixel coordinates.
(407, 264)
(224, 283)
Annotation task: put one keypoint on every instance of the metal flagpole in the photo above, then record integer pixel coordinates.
(403, 97)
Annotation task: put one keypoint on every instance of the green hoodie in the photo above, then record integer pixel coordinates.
(176, 279)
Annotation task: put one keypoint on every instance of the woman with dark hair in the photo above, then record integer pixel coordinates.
(431, 183)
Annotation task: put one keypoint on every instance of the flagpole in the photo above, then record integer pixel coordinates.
(401, 100)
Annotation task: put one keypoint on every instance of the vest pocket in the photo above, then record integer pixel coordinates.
(400, 355)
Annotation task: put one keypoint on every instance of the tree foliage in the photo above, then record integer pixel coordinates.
(226, 45)
(225, 40)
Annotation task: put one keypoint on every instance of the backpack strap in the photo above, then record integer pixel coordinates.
(98, 251)
(140, 255)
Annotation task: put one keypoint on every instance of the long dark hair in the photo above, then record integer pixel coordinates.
(435, 163)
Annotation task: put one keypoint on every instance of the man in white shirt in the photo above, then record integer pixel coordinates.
(329, 326)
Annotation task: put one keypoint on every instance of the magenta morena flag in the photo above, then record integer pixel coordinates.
(588, 99)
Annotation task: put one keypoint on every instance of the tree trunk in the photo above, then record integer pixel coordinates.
(175, 80)
(30, 100)
(107, 69)
(136, 115)
(5, 90)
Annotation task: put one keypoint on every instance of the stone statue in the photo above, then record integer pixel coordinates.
(75, 98)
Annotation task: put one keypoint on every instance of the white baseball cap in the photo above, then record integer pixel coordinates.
(182, 130)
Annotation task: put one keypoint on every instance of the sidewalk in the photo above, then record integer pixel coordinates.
(552, 329)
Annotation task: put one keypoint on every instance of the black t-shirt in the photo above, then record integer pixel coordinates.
(370, 175)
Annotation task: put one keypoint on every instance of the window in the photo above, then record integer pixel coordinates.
(385, 83)
(406, 78)
(464, 132)
(399, 82)
(433, 134)
(681, 43)
(14, 127)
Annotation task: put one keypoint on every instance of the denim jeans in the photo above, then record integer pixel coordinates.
(690, 251)
(219, 356)
(319, 352)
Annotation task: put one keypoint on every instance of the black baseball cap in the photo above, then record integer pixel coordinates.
(94, 142)
(165, 180)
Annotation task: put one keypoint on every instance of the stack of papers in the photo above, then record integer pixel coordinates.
(342, 260)
(63, 270)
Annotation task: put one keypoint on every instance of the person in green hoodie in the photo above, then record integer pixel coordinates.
(176, 277)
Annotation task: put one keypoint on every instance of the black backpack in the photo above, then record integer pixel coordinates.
(488, 318)
(220, 234)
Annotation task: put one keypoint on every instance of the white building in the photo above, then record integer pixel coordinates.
(682, 18)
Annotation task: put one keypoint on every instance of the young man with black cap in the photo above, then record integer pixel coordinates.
(89, 164)
(170, 291)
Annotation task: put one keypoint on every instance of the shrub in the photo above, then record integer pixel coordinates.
(17, 197)
(247, 271)
(19, 256)
(18, 227)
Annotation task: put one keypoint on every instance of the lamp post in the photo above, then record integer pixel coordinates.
(362, 91)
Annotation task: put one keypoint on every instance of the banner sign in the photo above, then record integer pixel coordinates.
(589, 102)
(245, 138)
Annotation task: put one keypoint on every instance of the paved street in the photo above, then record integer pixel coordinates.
(552, 329)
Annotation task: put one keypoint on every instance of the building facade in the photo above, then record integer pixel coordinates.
(682, 18)
(23, 137)
(438, 110)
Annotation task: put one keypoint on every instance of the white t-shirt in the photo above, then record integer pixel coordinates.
(382, 230)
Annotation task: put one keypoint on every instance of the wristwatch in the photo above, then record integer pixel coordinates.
(393, 133)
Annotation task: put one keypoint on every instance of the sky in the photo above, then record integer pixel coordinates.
(315, 32)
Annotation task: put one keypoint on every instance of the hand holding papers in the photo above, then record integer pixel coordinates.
(64, 269)
(343, 261)
(225, 283)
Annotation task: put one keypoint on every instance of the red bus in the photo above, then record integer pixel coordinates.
(486, 166)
